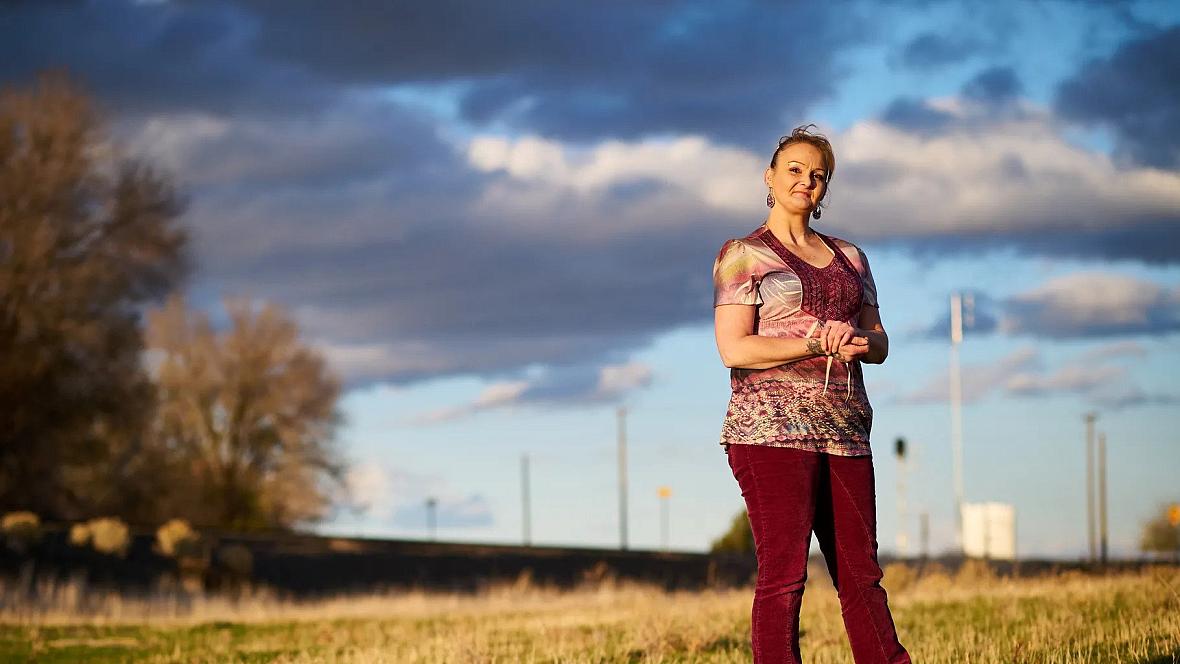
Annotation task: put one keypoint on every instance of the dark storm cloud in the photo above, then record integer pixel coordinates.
(575, 69)
(146, 57)
(988, 92)
(1149, 239)
(931, 50)
(993, 86)
(1134, 93)
(915, 115)
(561, 68)
(477, 297)
(368, 221)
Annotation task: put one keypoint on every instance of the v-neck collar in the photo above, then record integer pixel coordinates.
(780, 248)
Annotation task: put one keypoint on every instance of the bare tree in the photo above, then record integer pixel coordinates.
(87, 237)
(250, 413)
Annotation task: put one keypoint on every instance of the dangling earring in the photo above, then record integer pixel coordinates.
(770, 199)
(817, 212)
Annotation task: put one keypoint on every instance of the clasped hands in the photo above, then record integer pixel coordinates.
(840, 340)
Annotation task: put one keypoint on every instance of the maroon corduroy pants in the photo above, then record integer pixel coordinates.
(789, 493)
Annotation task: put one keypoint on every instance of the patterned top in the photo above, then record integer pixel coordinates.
(818, 403)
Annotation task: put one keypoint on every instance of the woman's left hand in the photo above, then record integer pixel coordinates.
(835, 334)
(853, 350)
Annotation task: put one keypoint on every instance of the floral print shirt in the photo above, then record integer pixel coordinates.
(818, 403)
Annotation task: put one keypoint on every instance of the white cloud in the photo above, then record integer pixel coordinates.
(398, 496)
(370, 489)
(617, 379)
(979, 380)
(1080, 379)
(1092, 304)
(1011, 175)
(570, 387)
(723, 177)
(1021, 373)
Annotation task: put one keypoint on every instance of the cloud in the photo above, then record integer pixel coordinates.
(550, 198)
(716, 175)
(1134, 93)
(572, 386)
(1009, 182)
(979, 380)
(132, 56)
(497, 254)
(1073, 306)
(916, 115)
(561, 68)
(1093, 304)
(345, 142)
(1077, 379)
(398, 496)
(1090, 375)
(472, 511)
(993, 86)
(933, 50)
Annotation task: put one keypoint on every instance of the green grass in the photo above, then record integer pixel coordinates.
(969, 618)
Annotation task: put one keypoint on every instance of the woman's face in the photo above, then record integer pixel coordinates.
(800, 178)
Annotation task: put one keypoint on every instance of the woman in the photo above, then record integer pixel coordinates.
(795, 314)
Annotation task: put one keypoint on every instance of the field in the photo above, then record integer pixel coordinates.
(973, 616)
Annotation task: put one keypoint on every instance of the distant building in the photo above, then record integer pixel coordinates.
(989, 530)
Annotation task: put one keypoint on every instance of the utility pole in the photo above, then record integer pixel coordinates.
(431, 504)
(924, 533)
(665, 493)
(902, 529)
(956, 388)
(524, 499)
(1089, 419)
(1102, 497)
(622, 478)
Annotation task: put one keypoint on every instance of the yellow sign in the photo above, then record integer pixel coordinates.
(665, 491)
(1174, 514)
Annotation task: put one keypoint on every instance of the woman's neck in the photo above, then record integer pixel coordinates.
(789, 228)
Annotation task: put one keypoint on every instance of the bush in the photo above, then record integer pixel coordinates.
(21, 530)
(738, 539)
(177, 539)
(236, 558)
(109, 535)
(899, 576)
(79, 535)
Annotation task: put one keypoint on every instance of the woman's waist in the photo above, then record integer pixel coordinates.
(795, 375)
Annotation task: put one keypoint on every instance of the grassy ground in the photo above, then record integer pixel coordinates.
(969, 617)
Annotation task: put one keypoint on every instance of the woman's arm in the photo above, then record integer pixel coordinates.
(870, 327)
(740, 348)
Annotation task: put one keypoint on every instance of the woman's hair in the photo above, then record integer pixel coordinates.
(803, 134)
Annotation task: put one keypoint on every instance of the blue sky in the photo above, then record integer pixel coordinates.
(499, 225)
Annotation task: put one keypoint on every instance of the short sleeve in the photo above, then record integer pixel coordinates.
(866, 275)
(735, 279)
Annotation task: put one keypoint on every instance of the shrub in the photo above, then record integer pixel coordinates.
(109, 535)
(21, 530)
(975, 573)
(235, 559)
(738, 539)
(899, 576)
(177, 539)
(80, 534)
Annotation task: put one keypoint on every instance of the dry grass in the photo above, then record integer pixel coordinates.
(969, 617)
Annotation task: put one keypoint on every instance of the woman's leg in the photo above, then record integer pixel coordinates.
(778, 486)
(846, 527)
